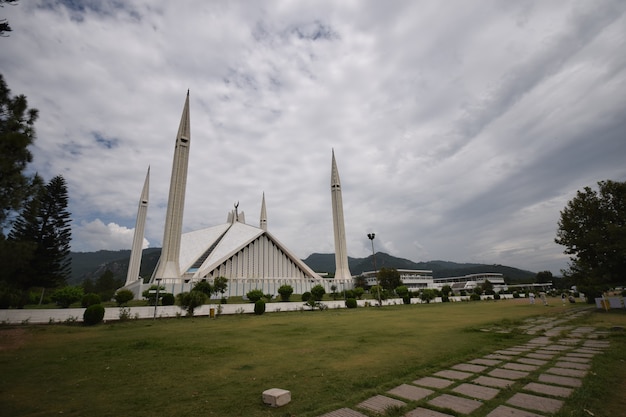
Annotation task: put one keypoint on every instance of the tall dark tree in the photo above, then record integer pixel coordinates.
(543, 277)
(592, 228)
(389, 278)
(45, 225)
(17, 133)
(4, 24)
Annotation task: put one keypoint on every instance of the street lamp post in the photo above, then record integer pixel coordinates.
(371, 237)
(156, 301)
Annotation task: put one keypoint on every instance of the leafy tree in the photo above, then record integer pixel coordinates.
(204, 287)
(427, 295)
(543, 277)
(106, 285)
(487, 287)
(592, 227)
(360, 281)
(17, 133)
(67, 296)
(220, 285)
(402, 291)
(254, 295)
(45, 225)
(318, 292)
(122, 297)
(358, 292)
(190, 300)
(389, 278)
(4, 24)
(446, 290)
(285, 292)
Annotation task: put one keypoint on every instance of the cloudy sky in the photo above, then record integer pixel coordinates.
(460, 128)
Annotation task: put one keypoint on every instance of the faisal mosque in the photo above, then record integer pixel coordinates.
(250, 257)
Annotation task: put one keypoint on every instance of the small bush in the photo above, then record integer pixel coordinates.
(255, 295)
(515, 294)
(259, 307)
(122, 297)
(93, 314)
(90, 299)
(306, 296)
(190, 300)
(318, 292)
(474, 297)
(358, 292)
(351, 303)
(285, 292)
(167, 299)
(496, 296)
(66, 296)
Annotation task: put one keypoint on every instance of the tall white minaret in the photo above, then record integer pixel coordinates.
(140, 225)
(342, 270)
(263, 221)
(168, 267)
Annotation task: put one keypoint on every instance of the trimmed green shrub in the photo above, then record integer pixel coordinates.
(358, 292)
(190, 300)
(122, 297)
(93, 314)
(255, 295)
(259, 307)
(66, 296)
(474, 297)
(318, 292)
(306, 296)
(167, 299)
(496, 296)
(351, 303)
(90, 299)
(285, 292)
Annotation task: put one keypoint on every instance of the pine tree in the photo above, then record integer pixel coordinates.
(17, 133)
(45, 225)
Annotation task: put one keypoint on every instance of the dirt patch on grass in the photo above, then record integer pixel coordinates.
(12, 338)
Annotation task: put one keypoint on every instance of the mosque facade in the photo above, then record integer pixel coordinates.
(249, 257)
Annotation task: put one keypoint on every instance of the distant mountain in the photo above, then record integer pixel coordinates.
(91, 265)
(441, 269)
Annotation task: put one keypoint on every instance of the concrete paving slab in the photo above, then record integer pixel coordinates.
(596, 344)
(576, 359)
(498, 357)
(540, 341)
(581, 354)
(546, 352)
(476, 391)
(543, 356)
(380, 403)
(504, 411)
(410, 392)
(454, 403)
(507, 352)
(432, 382)
(560, 380)
(558, 348)
(520, 367)
(508, 374)
(425, 412)
(487, 362)
(572, 365)
(344, 412)
(468, 367)
(584, 329)
(567, 372)
(493, 382)
(531, 361)
(590, 351)
(545, 389)
(451, 374)
(521, 348)
(569, 341)
(535, 402)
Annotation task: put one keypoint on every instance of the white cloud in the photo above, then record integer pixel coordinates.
(95, 235)
(460, 130)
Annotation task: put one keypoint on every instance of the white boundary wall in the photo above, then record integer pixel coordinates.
(60, 315)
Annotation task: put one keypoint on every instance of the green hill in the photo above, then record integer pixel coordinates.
(91, 265)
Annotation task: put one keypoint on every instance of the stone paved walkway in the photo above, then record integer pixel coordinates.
(533, 379)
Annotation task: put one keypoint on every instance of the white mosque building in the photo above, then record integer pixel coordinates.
(249, 257)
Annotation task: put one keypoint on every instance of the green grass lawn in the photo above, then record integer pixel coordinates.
(219, 367)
